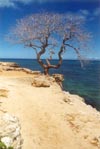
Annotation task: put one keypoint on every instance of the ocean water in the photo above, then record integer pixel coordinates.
(82, 81)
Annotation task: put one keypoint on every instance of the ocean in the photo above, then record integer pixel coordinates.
(82, 81)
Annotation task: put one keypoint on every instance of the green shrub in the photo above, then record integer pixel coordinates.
(3, 146)
(10, 147)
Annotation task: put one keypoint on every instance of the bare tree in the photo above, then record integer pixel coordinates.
(52, 33)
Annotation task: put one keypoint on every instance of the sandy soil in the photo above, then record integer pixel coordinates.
(50, 118)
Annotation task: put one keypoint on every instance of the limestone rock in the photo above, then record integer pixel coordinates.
(10, 131)
(3, 93)
(8, 66)
(95, 141)
(30, 71)
(43, 81)
(58, 77)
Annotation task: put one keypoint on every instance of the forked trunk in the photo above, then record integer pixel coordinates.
(48, 66)
(46, 71)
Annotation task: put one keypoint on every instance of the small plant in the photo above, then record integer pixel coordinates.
(10, 147)
(3, 146)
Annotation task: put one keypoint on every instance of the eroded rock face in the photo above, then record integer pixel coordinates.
(3, 93)
(43, 81)
(10, 131)
(58, 77)
(8, 66)
(29, 71)
(47, 81)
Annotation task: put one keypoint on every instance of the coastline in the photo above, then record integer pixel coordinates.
(49, 117)
(77, 80)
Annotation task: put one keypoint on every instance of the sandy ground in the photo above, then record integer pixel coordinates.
(49, 117)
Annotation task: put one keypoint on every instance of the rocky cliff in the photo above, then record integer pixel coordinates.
(49, 117)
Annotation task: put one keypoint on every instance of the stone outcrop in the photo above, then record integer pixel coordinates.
(59, 78)
(47, 81)
(10, 66)
(29, 71)
(43, 81)
(10, 131)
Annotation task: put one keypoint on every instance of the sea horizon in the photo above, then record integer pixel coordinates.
(54, 59)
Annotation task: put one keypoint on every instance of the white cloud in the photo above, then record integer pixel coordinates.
(97, 12)
(90, 15)
(6, 3)
(12, 3)
(84, 12)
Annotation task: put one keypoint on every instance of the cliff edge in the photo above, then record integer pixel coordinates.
(49, 117)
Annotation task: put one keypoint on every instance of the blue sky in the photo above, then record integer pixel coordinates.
(11, 10)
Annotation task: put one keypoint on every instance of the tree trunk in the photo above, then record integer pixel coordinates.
(46, 70)
(48, 66)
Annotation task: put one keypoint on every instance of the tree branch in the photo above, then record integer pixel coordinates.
(77, 52)
(43, 50)
(32, 45)
(59, 56)
(59, 62)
